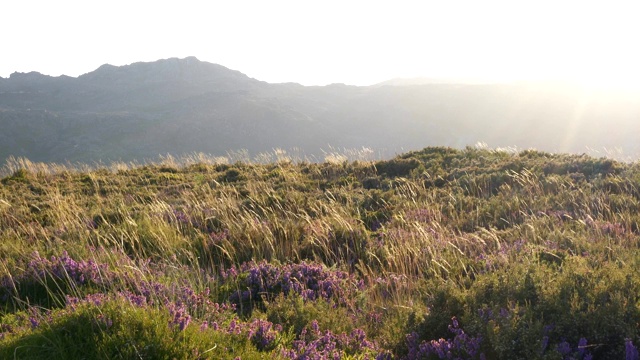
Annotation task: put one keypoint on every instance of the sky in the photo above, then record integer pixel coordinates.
(324, 42)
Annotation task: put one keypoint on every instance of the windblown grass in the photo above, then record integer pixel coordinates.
(473, 253)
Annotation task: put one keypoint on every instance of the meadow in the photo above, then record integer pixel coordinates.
(435, 254)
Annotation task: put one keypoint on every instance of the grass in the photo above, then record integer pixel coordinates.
(474, 253)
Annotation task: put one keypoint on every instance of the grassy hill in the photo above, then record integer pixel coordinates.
(440, 252)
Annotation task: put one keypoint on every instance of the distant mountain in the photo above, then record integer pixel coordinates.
(177, 106)
(429, 81)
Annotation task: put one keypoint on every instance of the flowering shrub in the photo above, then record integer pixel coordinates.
(311, 281)
(461, 346)
(315, 344)
(47, 280)
(263, 334)
(567, 352)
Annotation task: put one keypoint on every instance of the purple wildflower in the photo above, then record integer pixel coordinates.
(564, 348)
(582, 345)
(461, 346)
(631, 352)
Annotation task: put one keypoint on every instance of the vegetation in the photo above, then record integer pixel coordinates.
(435, 254)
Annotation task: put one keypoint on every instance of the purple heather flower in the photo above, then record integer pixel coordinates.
(261, 333)
(184, 322)
(71, 300)
(179, 316)
(454, 322)
(310, 281)
(34, 322)
(582, 345)
(564, 348)
(314, 344)
(461, 346)
(631, 352)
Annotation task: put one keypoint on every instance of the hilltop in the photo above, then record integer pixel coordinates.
(179, 106)
(477, 253)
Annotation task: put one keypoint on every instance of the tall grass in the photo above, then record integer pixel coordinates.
(534, 254)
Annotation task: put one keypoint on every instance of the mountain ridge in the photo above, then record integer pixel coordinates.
(144, 109)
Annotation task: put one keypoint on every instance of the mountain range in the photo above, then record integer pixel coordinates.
(177, 106)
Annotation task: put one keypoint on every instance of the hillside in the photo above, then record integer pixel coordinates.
(435, 253)
(179, 106)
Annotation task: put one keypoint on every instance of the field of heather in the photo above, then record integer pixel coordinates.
(435, 254)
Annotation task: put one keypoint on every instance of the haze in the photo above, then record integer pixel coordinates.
(354, 42)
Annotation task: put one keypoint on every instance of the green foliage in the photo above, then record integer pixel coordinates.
(295, 314)
(117, 330)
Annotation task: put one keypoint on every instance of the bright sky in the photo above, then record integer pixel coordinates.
(322, 42)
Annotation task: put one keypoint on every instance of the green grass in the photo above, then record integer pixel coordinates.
(117, 330)
(524, 249)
